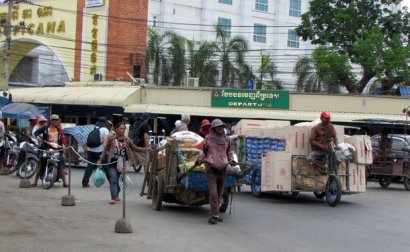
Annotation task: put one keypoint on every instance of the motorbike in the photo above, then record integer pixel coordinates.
(28, 159)
(50, 160)
(9, 151)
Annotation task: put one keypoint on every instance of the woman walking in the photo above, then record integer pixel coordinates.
(217, 155)
(116, 152)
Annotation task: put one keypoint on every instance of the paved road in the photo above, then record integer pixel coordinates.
(34, 220)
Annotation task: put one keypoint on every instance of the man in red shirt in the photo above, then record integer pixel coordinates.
(319, 137)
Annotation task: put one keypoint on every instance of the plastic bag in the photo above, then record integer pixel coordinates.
(99, 177)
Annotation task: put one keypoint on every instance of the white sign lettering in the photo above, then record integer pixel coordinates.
(94, 3)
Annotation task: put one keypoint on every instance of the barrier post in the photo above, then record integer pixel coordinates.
(69, 200)
(123, 225)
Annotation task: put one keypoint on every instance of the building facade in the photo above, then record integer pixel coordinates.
(267, 25)
(81, 40)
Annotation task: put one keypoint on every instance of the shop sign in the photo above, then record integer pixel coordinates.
(253, 99)
(94, 3)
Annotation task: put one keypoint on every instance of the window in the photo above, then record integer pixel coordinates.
(295, 7)
(225, 1)
(293, 39)
(225, 24)
(398, 144)
(259, 33)
(261, 5)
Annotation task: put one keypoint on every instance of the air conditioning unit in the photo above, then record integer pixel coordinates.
(98, 77)
(138, 81)
(191, 82)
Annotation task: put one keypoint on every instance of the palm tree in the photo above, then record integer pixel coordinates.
(200, 63)
(231, 54)
(268, 68)
(307, 80)
(166, 52)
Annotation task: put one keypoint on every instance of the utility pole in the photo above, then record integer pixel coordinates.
(6, 56)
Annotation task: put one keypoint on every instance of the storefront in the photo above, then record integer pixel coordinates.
(76, 40)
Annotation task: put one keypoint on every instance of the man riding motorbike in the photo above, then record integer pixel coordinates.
(51, 134)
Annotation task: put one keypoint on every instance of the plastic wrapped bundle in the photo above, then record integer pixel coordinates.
(198, 181)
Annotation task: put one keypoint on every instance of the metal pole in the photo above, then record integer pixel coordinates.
(124, 186)
(25, 170)
(6, 56)
(69, 167)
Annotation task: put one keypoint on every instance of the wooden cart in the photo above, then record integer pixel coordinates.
(169, 182)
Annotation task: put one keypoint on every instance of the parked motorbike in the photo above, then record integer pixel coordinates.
(9, 151)
(51, 160)
(28, 159)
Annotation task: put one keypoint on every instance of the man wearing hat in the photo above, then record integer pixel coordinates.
(32, 123)
(205, 128)
(319, 138)
(140, 133)
(94, 153)
(52, 134)
(41, 122)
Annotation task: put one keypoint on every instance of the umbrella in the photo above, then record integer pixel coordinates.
(19, 110)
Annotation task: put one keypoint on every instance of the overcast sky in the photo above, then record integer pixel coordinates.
(406, 3)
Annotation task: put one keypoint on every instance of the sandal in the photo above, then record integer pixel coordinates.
(112, 202)
(117, 198)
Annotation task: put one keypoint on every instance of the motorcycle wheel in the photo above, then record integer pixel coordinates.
(31, 167)
(333, 191)
(49, 178)
(385, 182)
(256, 183)
(12, 163)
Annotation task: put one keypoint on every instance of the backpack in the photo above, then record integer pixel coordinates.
(135, 132)
(94, 139)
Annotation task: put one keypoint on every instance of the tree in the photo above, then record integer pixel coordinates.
(267, 69)
(306, 77)
(200, 63)
(166, 52)
(231, 55)
(365, 33)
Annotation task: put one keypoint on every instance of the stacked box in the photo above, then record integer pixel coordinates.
(310, 183)
(363, 145)
(276, 172)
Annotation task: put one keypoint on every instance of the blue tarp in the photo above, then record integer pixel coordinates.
(19, 110)
(80, 133)
(196, 180)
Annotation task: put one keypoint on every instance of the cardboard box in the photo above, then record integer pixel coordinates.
(254, 133)
(361, 178)
(280, 133)
(353, 178)
(276, 172)
(276, 123)
(369, 151)
(363, 153)
(310, 183)
(340, 133)
(269, 133)
(245, 124)
(297, 140)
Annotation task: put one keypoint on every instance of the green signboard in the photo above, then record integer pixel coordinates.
(253, 99)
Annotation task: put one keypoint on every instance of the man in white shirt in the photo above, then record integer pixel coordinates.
(2, 128)
(94, 153)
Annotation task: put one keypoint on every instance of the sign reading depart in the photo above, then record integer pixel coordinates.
(243, 98)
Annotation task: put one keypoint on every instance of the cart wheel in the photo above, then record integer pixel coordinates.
(319, 195)
(333, 191)
(137, 168)
(256, 183)
(406, 183)
(225, 203)
(385, 182)
(157, 191)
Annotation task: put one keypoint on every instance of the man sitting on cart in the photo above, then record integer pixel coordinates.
(384, 151)
(319, 137)
(217, 155)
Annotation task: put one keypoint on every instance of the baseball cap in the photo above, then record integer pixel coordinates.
(54, 117)
(205, 122)
(32, 118)
(325, 115)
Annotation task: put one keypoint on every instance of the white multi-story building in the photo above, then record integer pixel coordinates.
(268, 25)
